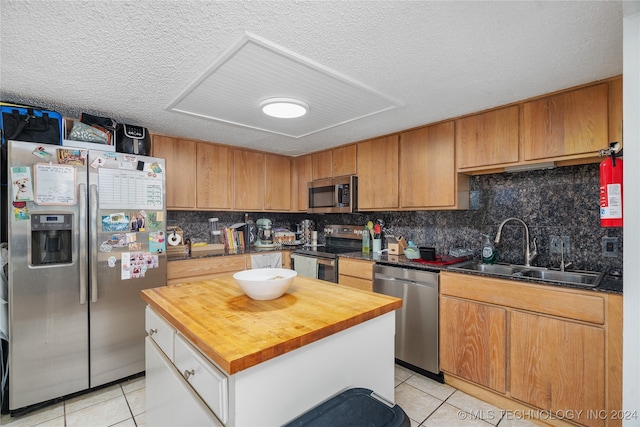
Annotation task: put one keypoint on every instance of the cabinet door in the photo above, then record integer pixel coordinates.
(169, 399)
(428, 175)
(488, 139)
(277, 183)
(344, 160)
(473, 342)
(213, 176)
(301, 175)
(378, 173)
(322, 164)
(248, 180)
(558, 365)
(180, 162)
(566, 124)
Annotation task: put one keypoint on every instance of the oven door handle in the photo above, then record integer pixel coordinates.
(323, 261)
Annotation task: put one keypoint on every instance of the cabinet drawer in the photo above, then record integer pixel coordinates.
(160, 331)
(207, 380)
(356, 268)
(355, 282)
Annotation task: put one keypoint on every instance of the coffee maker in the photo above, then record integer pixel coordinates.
(265, 233)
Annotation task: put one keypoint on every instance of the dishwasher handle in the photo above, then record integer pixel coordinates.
(405, 281)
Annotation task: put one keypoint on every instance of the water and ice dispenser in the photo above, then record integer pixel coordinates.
(51, 239)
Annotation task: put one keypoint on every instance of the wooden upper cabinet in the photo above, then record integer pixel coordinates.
(322, 164)
(180, 165)
(301, 175)
(473, 342)
(338, 161)
(277, 183)
(344, 160)
(378, 173)
(558, 365)
(213, 176)
(428, 171)
(248, 180)
(487, 139)
(567, 124)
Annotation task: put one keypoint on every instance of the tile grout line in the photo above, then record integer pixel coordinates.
(128, 405)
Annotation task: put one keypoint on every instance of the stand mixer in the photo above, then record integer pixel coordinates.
(265, 233)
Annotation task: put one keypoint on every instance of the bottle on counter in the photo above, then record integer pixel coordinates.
(365, 240)
(488, 250)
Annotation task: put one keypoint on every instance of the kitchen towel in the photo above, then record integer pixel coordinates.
(272, 260)
(306, 266)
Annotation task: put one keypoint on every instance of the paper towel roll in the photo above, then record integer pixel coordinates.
(174, 239)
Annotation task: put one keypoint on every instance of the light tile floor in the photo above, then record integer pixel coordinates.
(426, 402)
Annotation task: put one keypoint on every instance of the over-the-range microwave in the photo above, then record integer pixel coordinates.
(333, 195)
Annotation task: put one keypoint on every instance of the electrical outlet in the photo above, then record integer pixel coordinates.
(610, 247)
(554, 244)
(557, 242)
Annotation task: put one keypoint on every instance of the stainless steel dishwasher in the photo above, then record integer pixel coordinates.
(417, 321)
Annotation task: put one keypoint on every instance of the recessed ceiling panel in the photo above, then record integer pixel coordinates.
(254, 69)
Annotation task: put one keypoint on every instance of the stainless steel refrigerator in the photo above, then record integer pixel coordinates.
(86, 233)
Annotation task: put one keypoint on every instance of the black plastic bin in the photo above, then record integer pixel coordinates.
(355, 407)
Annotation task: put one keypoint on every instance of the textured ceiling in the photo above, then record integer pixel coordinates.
(131, 60)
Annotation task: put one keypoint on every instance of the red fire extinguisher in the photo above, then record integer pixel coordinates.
(611, 187)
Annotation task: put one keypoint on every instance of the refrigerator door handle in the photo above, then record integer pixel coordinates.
(82, 252)
(93, 232)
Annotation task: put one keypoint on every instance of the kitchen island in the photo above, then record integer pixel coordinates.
(263, 362)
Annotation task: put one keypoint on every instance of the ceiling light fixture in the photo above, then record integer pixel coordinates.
(284, 108)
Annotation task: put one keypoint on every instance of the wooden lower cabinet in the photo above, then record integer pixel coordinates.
(355, 273)
(558, 365)
(544, 351)
(474, 339)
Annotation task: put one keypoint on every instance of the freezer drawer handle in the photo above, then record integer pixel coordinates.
(152, 331)
(187, 374)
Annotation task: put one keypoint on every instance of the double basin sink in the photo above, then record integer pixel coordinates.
(583, 278)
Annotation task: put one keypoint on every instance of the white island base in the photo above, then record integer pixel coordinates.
(275, 391)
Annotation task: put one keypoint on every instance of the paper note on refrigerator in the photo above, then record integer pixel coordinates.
(54, 184)
(130, 189)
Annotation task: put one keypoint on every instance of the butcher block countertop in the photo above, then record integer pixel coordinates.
(237, 332)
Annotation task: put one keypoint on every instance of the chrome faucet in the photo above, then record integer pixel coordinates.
(529, 255)
(563, 265)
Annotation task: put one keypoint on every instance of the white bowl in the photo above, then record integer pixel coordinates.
(265, 283)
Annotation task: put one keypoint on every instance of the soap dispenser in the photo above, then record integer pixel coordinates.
(488, 250)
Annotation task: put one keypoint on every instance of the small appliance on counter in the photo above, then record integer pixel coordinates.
(265, 234)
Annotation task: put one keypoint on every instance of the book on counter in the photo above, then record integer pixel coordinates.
(233, 239)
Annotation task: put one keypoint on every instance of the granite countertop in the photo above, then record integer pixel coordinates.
(245, 332)
(610, 284)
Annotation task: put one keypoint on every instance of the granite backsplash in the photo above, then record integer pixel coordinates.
(557, 202)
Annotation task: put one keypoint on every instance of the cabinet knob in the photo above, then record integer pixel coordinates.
(187, 374)
(152, 331)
